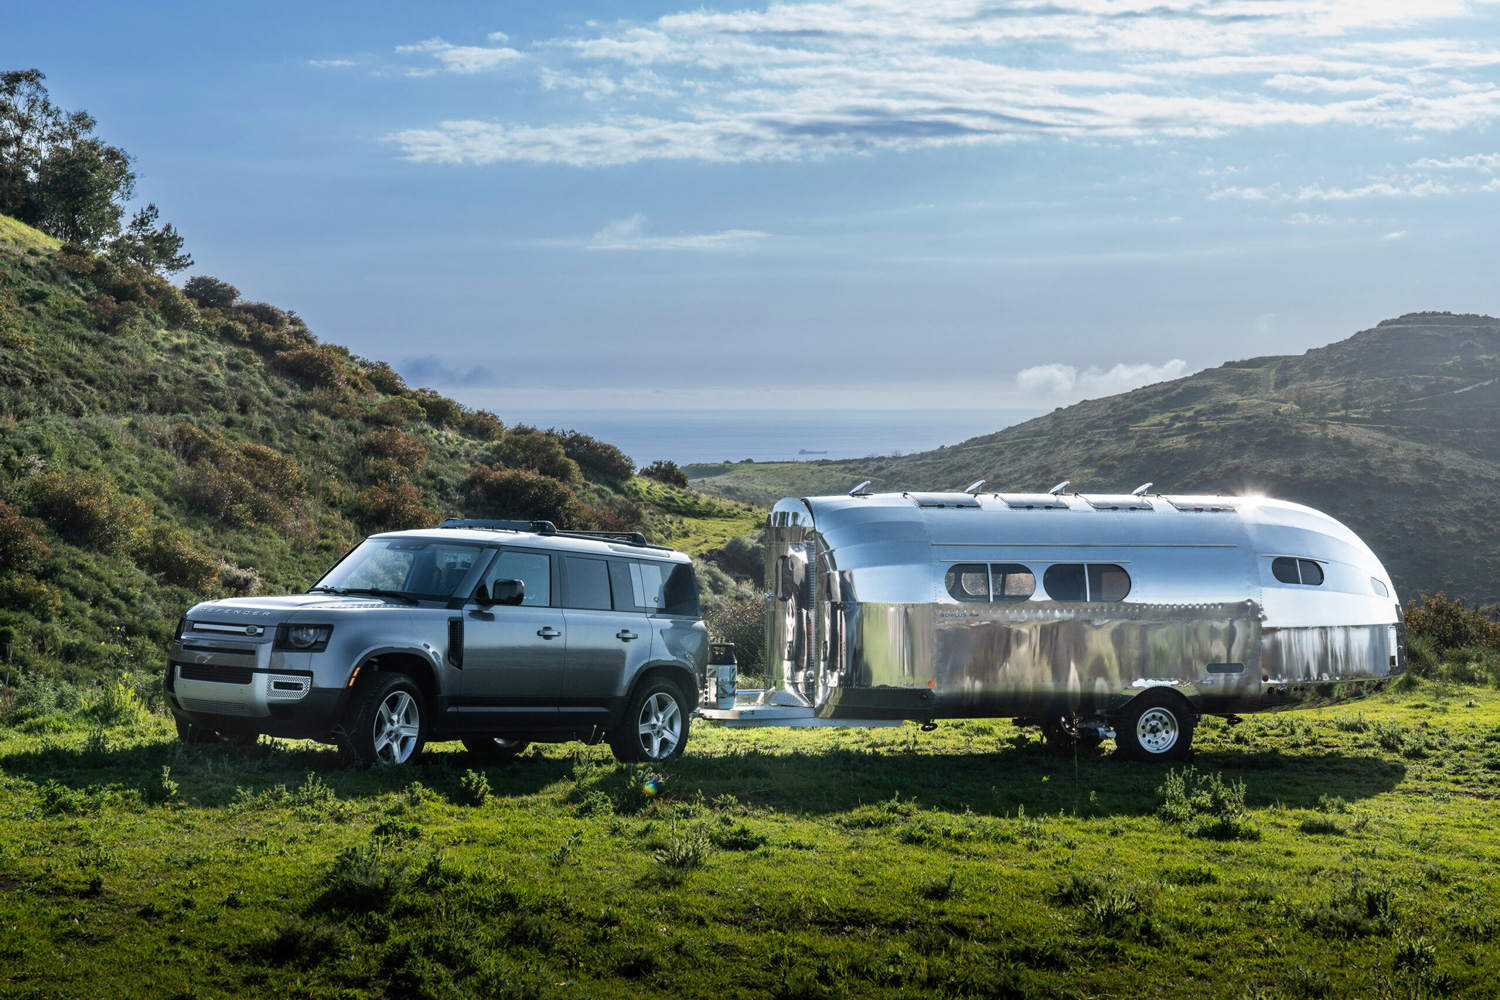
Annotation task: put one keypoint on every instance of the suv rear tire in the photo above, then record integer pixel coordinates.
(655, 725)
(385, 723)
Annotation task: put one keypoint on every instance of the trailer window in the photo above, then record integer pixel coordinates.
(968, 582)
(1066, 582)
(1090, 582)
(1012, 582)
(1108, 582)
(1299, 571)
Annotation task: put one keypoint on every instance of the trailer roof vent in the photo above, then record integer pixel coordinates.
(1207, 505)
(942, 499)
(1112, 502)
(1034, 501)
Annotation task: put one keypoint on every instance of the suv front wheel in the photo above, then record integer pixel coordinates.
(655, 726)
(385, 722)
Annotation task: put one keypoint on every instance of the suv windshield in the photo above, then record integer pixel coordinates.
(408, 567)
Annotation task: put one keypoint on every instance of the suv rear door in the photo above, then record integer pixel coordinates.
(514, 656)
(609, 637)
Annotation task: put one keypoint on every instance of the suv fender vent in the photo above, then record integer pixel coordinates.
(456, 642)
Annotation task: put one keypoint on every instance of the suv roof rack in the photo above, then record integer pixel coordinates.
(548, 528)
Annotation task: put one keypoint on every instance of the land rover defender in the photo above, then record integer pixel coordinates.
(495, 633)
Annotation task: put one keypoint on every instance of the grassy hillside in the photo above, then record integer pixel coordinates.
(156, 450)
(1346, 852)
(1395, 431)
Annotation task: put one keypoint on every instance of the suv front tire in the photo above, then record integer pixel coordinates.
(385, 723)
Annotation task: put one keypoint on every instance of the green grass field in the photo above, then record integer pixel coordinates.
(1345, 852)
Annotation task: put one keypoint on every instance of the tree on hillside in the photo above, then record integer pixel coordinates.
(56, 175)
(155, 248)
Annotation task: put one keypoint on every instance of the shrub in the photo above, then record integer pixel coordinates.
(20, 548)
(743, 558)
(525, 447)
(319, 366)
(521, 493)
(115, 704)
(664, 471)
(238, 581)
(210, 293)
(617, 514)
(396, 507)
(364, 880)
(89, 507)
(406, 452)
(596, 456)
(439, 408)
(474, 787)
(170, 552)
(1206, 805)
(25, 593)
(744, 624)
(262, 312)
(685, 851)
(482, 424)
(1446, 624)
(385, 378)
(243, 483)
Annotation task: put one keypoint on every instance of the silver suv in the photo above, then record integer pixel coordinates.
(496, 633)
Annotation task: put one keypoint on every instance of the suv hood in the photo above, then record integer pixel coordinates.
(252, 609)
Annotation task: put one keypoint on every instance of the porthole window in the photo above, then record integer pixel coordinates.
(1299, 571)
(1108, 582)
(1012, 581)
(969, 582)
(1086, 582)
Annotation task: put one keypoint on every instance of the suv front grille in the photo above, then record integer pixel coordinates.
(217, 674)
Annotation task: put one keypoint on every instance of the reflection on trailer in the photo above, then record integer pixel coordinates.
(1088, 615)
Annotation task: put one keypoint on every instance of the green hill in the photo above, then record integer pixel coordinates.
(1393, 431)
(158, 448)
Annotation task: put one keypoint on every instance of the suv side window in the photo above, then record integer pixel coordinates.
(533, 569)
(586, 583)
(666, 587)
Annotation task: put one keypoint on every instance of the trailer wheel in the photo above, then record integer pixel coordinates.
(1063, 731)
(655, 726)
(493, 750)
(1156, 725)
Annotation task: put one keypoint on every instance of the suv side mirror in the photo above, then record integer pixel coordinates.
(508, 592)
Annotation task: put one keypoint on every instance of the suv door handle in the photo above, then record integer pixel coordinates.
(548, 633)
(626, 635)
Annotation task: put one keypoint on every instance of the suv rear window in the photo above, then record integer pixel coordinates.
(667, 588)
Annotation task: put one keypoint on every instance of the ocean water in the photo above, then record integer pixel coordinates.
(686, 436)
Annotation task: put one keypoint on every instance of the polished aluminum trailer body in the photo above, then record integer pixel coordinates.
(951, 605)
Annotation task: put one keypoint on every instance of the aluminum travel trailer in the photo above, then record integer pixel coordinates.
(1089, 615)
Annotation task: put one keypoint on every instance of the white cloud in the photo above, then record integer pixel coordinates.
(794, 80)
(628, 234)
(1394, 236)
(1493, 185)
(1060, 380)
(1306, 219)
(1488, 162)
(331, 63)
(463, 59)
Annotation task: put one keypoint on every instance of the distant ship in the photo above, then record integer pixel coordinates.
(804, 451)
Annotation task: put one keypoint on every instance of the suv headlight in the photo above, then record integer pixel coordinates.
(303, 638)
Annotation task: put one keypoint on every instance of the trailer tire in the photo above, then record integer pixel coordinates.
(1156, 725)
(655, 725)
(1063, 731)
(493, 749)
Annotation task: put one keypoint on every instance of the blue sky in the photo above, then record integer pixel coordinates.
(878, 204)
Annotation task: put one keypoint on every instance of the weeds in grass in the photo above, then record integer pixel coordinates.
(299, 942)
(1414, 954)
(731, 836)
(116, 704)
(474, 787)
(1319, 825)
(1192, 875)
(1360, 911)
(879, 815)
(685, 851)
(164, 791)
(1351, 723)
(596, 803)
(940, 889)
(1205, 805)
(564, 852)
(364, 879)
